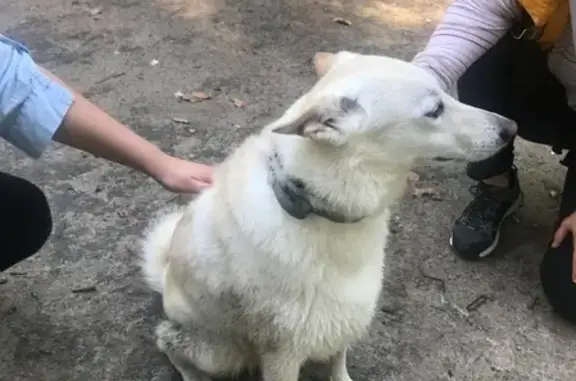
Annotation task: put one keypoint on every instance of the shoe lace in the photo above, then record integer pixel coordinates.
(481, 212)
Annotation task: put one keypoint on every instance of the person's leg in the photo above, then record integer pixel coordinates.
(556, 266)
(512, 79)
(25, 220)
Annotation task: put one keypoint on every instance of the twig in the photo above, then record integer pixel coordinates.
(533, 303)
(109, 77)
(477, 303)
(442, 282)
(84, 290)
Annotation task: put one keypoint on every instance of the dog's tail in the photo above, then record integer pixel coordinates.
(156, 245)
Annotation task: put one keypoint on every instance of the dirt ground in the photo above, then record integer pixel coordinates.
(441, 318)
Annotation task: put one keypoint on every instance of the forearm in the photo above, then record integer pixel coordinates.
(36, 108)
(468, 29)
(88, 128)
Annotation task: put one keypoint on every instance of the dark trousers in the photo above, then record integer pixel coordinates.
(513, 80)
(25, 222)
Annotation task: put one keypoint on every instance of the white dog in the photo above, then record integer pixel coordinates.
(281, 261)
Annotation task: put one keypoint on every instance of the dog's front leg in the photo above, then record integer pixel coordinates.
(338, 369)
(281, 366)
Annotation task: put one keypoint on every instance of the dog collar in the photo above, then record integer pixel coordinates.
(294, 197)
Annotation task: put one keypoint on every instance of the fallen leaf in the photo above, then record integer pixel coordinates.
(342, 21)
(239, 103)
(154, 63)
(426, 192)
(199, 96)
(194, 97)
(181, 120)
(95, 11)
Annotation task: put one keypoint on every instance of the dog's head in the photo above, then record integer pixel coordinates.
(383, 107)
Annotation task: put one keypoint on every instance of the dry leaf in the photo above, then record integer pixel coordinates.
(194, 97)
(95, 11)
(239, 103)
(342, 21)
(426, 192)
(199, 96)
(181, 120)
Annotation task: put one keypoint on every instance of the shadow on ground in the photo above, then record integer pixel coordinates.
(79, 311)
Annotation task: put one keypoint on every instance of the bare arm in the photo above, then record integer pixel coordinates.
(88, 128)
(468, 29)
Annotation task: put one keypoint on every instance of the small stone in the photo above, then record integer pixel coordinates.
(413, 176)
(181, 120)
(426, 192)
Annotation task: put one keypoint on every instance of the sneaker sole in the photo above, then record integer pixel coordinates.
(494, 244)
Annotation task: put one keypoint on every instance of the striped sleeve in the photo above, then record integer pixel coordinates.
(468, 29)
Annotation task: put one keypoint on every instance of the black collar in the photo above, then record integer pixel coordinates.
(295, 197)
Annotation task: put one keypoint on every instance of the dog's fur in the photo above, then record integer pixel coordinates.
(244, 283)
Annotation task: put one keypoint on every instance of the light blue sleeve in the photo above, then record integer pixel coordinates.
(32, 105)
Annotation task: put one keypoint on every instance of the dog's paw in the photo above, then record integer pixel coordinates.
(167, 335)
(341, 378)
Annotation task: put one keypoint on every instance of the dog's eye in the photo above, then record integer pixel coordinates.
(330, 123)
(436, 112)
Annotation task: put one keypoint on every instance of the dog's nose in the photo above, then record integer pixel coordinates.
(506, 134)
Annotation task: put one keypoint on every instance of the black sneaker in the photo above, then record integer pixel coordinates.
(476, 232)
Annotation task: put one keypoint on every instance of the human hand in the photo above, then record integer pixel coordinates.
(182, 176)
(568, 225)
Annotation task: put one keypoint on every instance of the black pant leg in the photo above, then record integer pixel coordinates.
(512, 79)
(25, 220)
(556, 266)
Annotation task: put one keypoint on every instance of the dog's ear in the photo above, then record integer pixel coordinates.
(322, 62)
(321, 125)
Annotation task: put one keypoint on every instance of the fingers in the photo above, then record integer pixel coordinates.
(560, 234)
(574, 257)
(205, 175)
(574, 266)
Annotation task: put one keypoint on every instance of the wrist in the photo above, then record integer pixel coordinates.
(156, 164)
